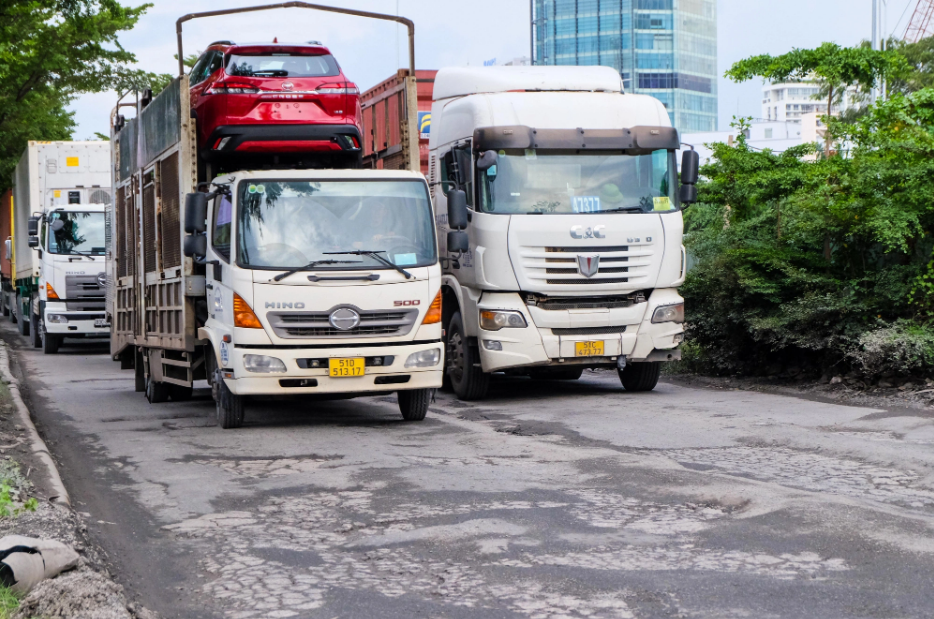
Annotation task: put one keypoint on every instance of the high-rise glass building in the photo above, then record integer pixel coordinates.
(663, 48)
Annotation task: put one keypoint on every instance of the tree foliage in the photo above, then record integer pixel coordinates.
(821, 262)
(51, 51)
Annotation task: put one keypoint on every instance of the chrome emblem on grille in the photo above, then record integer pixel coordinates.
(102, 280)
(588, 265)
(287, 85)
(344, 319)
(594, 232)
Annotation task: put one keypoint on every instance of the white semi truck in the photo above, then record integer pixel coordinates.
(568, 191)
(58, 244)
(271, 282)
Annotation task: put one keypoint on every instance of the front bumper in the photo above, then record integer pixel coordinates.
(298, 380)
(552, 345)
(80, 323)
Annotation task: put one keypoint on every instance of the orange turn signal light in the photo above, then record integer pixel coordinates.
(433, 315)
(243, 314)
(50, 292)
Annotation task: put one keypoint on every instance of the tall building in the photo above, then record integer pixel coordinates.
(792, 101)
(663, 48)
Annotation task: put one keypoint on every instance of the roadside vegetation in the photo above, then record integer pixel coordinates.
(820, 259)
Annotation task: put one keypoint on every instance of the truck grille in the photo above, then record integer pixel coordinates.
(372, 324)
(557, 266)
(83, 293)
(590, 330)
(566, 303)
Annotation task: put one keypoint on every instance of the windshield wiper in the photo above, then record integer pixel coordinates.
(624, 209)
(375, 255)
(311, 264)
(75, 252)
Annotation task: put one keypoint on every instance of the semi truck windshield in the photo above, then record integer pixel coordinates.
(78, 233)
(530, 181)
(284, 224)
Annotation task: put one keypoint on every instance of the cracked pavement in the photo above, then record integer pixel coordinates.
(548, 500)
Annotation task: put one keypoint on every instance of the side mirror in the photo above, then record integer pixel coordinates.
(688, 194)
(457, 209)
(57, 225)
(458, 241)
(487, 160)
(690, 162)
(196, 246)
(196, 212)
(33, 241)
(32, 226)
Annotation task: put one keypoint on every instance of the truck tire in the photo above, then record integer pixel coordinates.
(139, 372)
(156, 392)
(35, 331)
(640, 376)
(468, 380)
(413, 404)
(50, 343)
(562, 374)
(229, 405)
(21, 323)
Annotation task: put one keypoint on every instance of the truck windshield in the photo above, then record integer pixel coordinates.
(530, 181)
(82, 233)
(289, 224)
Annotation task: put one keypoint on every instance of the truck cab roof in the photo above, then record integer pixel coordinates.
(463, 81)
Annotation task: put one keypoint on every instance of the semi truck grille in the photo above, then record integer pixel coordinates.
(566, 303)
(84, 293)
(558, 266)
(290, 325)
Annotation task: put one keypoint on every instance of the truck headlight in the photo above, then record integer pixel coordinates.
(494, 320)
(669, 313)
(424, 358)
(261, 364)
(57, 319)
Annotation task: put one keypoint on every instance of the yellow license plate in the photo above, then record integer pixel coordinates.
(347, 368)
(588, 349)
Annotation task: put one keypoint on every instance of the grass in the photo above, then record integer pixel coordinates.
(9, 602)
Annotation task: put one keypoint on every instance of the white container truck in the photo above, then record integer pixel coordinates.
(58, 245)
(568, 191)
(271, 282)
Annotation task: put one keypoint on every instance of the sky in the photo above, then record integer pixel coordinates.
(459, 33)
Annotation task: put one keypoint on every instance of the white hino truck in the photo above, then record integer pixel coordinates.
(58, 245)
(283, 279)
(568, 191)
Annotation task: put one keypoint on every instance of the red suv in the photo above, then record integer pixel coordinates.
(279, 98)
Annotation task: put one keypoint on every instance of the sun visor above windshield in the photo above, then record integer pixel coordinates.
(518, 136)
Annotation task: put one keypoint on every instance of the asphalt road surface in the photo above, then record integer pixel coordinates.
(560, 499)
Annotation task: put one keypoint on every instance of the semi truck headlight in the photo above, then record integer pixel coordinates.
(57, 319)
(669, 313)
(424, 358)
(494, 320)
(261, 364)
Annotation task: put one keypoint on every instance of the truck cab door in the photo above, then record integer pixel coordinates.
(217, 275)
(457, 173)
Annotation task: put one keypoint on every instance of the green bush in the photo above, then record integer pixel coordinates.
(818, 263)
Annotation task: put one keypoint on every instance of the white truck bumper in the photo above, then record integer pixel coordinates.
(301, 380)
(627, 332)
(74, 323)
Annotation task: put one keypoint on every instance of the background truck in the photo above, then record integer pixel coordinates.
(568, 191)
(56, 245)
(270, 282)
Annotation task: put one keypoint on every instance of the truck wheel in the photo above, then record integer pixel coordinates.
(563, 374)
(156, 393)
(640, 376)
(21, 323)
(414, 403)
(229, 405)
(50, 343)
(468, 380)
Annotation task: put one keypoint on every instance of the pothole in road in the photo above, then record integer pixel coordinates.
(267, 467)
(472, 552)
(812, 471)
